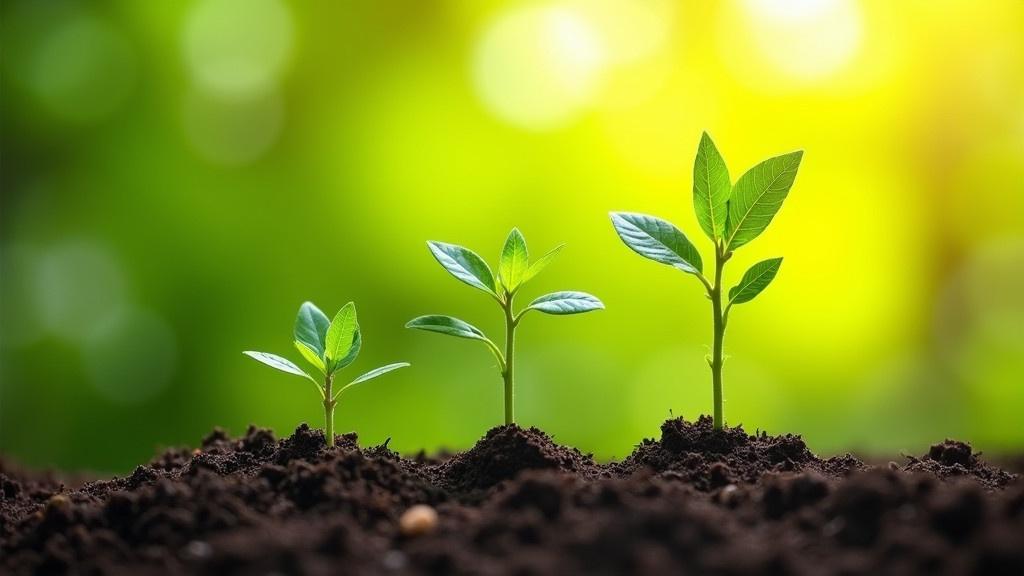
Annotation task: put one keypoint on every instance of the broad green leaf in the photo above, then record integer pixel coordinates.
(514, 260)
(540, 264)
(353, 352)
(711, 187)
(275, 361)
(756, 279)
(757, 197)
(567, 302)
(311, 327)
(465, 265)
(310, 355)
(658, 240)
(446, 325)
(455, 327)
(341, 333)
(372, 374)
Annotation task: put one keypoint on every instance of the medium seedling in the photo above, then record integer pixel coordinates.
(514, 270)
(329, 345)
(730, 215)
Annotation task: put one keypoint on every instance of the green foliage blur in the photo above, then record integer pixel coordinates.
(177, 177)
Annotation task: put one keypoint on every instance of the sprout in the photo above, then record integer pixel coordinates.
(514, 270)
(329, 345)
(730, 215)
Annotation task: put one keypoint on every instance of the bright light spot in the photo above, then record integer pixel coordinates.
(233, 132)
(629, 30)
(538, 67)
(130, 356)
(238, 48)
(82, 70)
(77, 286)
(805, 39)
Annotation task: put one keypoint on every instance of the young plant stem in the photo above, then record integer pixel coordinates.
(329, 403)
(510, 345)
(720, 316)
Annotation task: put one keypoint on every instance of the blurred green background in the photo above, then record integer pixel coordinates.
(177, 177)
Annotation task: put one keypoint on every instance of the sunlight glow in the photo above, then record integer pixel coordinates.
(805, 39)
(538, 67)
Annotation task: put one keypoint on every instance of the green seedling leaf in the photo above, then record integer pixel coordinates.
(371, 375)
(455, 327)
(310, 355)
(757, 197)
(275, 361)
(711, 188)
(567, 302)
(540, 264)
(353, 352)
(465, 265)
(311, 327)
(446, 325)
(514, 261)
(341, 333)
(756, 279)
(658, 240)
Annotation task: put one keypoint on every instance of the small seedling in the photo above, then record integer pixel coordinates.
(514, 270)
(730, 215)
(329, 345)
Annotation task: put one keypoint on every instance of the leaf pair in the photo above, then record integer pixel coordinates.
(737, 214)
(514, 268)
(329, 345)
(730, 216)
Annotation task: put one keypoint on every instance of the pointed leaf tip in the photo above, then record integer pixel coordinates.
(311, 326)
(514, 261)
(757, 197)
(755, 280)
(341, 334)
(278, 362)
(711, 188)
(566, 302)
(465, 265)
(657, 240)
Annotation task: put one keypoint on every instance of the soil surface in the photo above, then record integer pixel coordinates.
(695, 501)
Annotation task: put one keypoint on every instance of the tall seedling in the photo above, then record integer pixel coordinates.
(731, 215)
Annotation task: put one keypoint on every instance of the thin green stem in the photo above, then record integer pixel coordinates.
(508, 374)
(719, 318)
(329, 403)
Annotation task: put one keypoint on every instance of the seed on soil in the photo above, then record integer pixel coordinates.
(418, 521)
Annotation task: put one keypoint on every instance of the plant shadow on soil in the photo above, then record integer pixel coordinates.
(696, 500)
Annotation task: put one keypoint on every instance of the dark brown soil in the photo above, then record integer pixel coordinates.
(696, 501)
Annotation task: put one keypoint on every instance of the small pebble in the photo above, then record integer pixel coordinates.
(198, 550)
(394, 560)
(418, 520)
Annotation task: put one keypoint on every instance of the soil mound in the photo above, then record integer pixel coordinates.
(503, 453)
(186, 496)
(707, 458)
(696, 501)
(952, 459)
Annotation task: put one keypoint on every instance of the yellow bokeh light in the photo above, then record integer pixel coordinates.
(807, 40)
(538, 67)
(233, 59)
